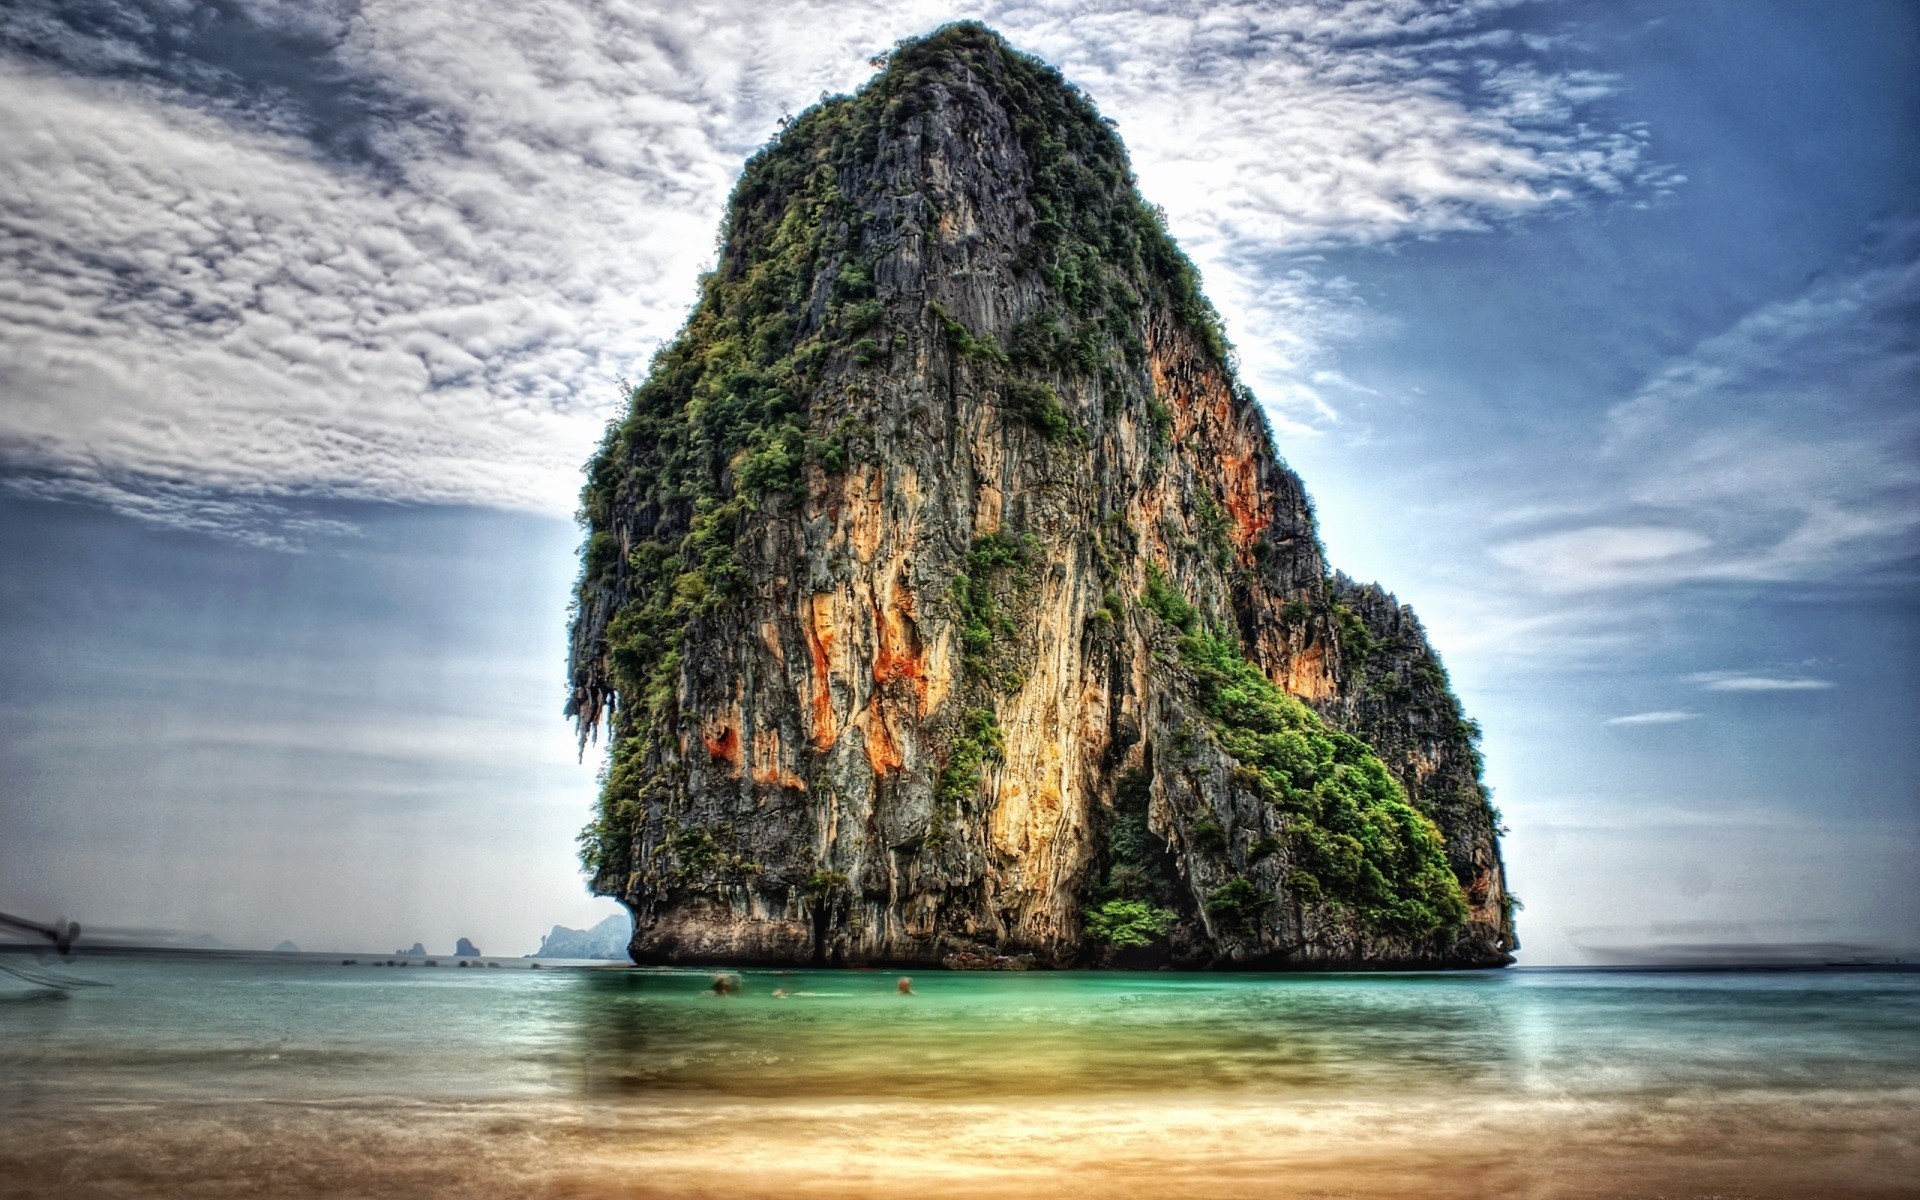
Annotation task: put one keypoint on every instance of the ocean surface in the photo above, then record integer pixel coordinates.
(207, 1075)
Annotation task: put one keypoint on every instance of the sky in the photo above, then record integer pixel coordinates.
(1590, 326)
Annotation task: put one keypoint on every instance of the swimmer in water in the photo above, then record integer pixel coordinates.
(779, 993)
(904, 987)
(725, 985)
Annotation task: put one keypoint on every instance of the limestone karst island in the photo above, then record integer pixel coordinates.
(945, 600)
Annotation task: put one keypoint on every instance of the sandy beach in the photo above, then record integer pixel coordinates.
(1816, 1144)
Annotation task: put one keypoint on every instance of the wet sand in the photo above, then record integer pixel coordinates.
(1810, 1145)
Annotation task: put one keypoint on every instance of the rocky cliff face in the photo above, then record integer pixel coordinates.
(945, 601)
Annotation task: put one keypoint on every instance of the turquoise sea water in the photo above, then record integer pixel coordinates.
(159, 1038)
(318, 1029)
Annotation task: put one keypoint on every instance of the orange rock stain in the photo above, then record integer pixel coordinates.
(1204, 394)
(1307, 675)
(723, 742)
(883, 748)
(819, 628)
(1244, 504)
(897, 655)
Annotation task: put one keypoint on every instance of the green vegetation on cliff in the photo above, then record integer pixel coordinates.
(1134, 899)
(1352, 838)
(1123, 924)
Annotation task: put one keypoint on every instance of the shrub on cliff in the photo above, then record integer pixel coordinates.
(1128, 923)
(1349, 824)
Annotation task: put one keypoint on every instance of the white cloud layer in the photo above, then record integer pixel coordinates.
(1747, 681)
(1784, 449)
(1662, 717)
(206, 303)
(1595, 555)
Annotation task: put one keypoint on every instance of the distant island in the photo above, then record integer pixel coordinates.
(607, 940)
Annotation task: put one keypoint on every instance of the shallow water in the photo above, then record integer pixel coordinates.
(300, 1076)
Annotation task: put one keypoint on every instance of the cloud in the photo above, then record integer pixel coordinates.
(219, 314)
(1601, 556)
(1269, 131)
(1266, 128)
(1785, 448)
(1792, 434)
(1665, 717)
(1742, 681)
(268, 251)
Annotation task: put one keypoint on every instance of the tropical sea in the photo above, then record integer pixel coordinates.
(206, 1075)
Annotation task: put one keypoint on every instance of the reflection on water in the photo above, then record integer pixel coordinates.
(1063, 1034)
(1038, 1035)
(1182, 1076)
